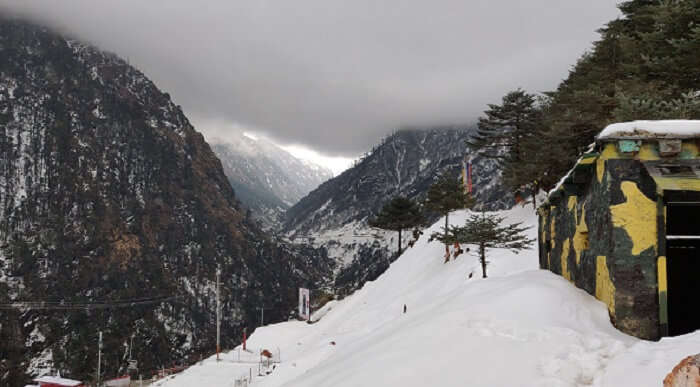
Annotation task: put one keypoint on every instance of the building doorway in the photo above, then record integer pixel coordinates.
(683, 266)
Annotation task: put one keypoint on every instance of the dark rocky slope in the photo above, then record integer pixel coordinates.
(108, 193)
(405, 163)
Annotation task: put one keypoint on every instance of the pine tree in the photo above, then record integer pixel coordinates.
(545, 155)
(398, 215)
(510, 133)
(446, 195)
(643, 67)
(486, 231)
(661, 39)
(500, 133)
(649, 107)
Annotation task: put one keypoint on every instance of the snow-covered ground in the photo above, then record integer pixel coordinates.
(519, 327)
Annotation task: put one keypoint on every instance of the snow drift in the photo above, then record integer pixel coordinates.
(521, 326)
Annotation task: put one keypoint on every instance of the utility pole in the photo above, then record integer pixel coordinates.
(132, 368)
(262, 314)
(99, 357)
(218, 313)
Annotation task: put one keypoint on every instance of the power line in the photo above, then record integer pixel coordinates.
(62, 305)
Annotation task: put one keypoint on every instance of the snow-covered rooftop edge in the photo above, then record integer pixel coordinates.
(566, 176)
(652, 129)
(670, 129)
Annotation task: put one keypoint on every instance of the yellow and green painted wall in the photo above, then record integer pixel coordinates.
(603, 229)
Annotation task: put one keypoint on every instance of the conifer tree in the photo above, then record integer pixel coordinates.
(643, 67)
(486, 231)
(500, 133)
(511, 133)
(398, 215)
(446, 195)
(649, 107)
(545, 155)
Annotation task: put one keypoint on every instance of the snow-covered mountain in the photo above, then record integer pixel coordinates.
(267, 179)
(520, 327)
(405, 163)
(115, 212)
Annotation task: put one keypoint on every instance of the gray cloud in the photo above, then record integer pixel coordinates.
(335, 75)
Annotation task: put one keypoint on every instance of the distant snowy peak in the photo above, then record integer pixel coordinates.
(319, 169)
(267, 179)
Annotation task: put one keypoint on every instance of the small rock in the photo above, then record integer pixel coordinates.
(685, 374)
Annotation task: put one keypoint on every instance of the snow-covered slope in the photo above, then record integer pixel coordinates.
(519, 327)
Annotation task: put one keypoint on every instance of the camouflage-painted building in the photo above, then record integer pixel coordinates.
(624, 225)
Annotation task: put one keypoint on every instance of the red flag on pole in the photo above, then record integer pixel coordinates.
(469, 177)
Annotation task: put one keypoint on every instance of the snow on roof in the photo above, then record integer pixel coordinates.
(652, 129)
(58, 380)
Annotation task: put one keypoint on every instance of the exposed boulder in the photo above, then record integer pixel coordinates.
(685, 374)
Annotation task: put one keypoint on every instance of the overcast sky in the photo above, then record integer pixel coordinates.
(330, 75)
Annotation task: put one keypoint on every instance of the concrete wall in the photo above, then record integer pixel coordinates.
(605, 241)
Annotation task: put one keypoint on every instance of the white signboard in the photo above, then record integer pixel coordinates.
(304, 303)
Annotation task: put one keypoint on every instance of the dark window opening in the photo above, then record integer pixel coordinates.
(677, 170)
(681, 196)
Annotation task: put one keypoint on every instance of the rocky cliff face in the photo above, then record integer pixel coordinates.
(266, 178)
(107, 193)
(406, 163)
